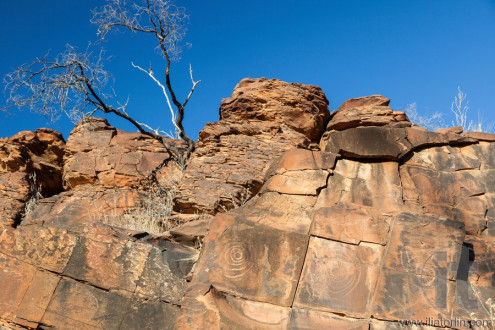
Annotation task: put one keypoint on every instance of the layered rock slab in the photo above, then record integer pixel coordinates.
(367, 111)
(97, 153)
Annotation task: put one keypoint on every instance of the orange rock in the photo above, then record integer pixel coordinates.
(304, 108)
(339, 277)
(367, 111)
(252, 261)
(261, 120)
(28, 160)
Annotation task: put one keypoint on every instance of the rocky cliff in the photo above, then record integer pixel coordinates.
(354, 219)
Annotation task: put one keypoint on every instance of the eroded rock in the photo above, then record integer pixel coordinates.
(29, 162)
(261, 120)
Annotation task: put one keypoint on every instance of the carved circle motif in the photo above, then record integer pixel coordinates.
(236, 259)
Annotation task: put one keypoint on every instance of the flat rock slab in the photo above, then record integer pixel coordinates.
(339, 277)
(81, 306)
(101, 278)
(280, 211)
(305, 182)
(463, 197)
(312, 319)
(406, 296)
(350, 224)
(414, 246)
(49, 248)
(153, 315)
(417, 280)
(387, 143)
(252, 261)
(90, 263)
(26, 291)
(86, 204)
(217, 310)
(302, 159)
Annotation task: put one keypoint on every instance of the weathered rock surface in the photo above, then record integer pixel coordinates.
(28, 161)
(400, 229)
(261, 120)
(387, 222)
(102, 278)
(97, 153)
(303, 108)
(106, 172)
(367, 111)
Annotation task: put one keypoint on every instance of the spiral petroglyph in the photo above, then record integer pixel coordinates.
(343, 277)
(236, 259)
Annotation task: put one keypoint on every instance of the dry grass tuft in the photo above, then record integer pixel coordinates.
(150, 215)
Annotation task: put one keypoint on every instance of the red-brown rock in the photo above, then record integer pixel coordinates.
(367, 111)
(29, 161)
(303, 108)
(261, 120)
(97, 153)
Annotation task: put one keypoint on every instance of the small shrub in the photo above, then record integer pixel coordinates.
(460, 109)
(150, 215)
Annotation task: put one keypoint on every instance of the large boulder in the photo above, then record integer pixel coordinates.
(367, 111)
(303, 108)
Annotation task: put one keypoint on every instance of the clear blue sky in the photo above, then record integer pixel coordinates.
(410, 51)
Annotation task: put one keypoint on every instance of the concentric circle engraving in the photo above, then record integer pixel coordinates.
(236, 259)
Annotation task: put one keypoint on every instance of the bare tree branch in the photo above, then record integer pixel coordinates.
(164, 90)
(74, 83)
(51, 87)
(164, 20)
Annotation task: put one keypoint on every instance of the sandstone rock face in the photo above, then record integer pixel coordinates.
(105, 173)
(261, 120)
(28, 160)
(101, 279)
(386, 222)
(398, 228)
(97, 153)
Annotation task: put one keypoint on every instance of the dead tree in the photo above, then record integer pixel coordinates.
(74, 83)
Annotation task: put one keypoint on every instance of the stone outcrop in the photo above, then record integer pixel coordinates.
(356, 236)
(372, 222)
(29, 162)
(261, 120)
(303, 108)
(105, 173)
